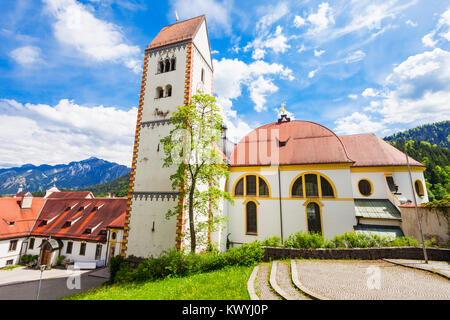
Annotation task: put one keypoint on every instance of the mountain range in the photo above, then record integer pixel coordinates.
(75, 175)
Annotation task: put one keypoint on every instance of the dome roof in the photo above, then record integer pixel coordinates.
(295, 142)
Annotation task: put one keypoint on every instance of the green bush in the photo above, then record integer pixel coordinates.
(173, 263)
(404, 242)
(272, 242)
(60, 260)
(26, 258)
(305, 240)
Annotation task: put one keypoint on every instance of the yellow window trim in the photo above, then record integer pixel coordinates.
(421, 189)
(244, 176)
(371, 187)
(319, 186)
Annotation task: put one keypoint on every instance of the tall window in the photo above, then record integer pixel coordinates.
(161, 67)
(391, 184)
(69, 247)
(203, 75)
(83, 249)
(311, 184)
(159, 92)
(313, 216)
(252, 186)
(172, 64)
(251, 218)
(31, 245)
(166, 65)
(418, 186)
(98, 252)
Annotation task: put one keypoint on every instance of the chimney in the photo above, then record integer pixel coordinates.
(27, 199)
(109, 194)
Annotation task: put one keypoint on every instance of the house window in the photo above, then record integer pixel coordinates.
(31, 245)
(98, 252)
(251, 218)
(297, 188)
(418, 186)
(114, 236)
(313, 218)
(251, 185)
(9, 262)
(69, 247)
(83, 249)
(263, 188)
(311, 187)
(365, 187)
(12, 245)
(327, 189)
(391, 184)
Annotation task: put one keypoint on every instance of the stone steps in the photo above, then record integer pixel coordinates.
(277, 281)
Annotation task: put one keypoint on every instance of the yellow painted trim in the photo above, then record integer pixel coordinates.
(295, 198)
(294, 167)
(256, 204)
(387, 169)
(319, 185)
(371, 187)
(421, 189)
(244, 176)
(320, 213)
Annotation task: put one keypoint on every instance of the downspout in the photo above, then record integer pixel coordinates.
(281, 209)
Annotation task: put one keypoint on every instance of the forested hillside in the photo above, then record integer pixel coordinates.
(118, 187)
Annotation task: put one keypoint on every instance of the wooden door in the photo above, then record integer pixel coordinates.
(45, 255)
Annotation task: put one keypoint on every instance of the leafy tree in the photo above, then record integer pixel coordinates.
(192, 146)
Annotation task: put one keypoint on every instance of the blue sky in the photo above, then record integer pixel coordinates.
(70, 70)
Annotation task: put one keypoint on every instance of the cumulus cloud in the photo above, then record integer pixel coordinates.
(416, 92)
(26, 55)
(321, 19)
(77, 27)
(299, 22)
(442, 31)
(64, 132)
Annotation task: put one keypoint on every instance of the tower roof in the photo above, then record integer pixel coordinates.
(177, 32)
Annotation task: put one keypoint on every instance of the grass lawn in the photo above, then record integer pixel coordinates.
(226, 284)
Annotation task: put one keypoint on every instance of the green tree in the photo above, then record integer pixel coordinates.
(192, 147)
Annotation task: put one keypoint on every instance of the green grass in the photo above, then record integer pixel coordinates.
(11, 267)
(229, 283)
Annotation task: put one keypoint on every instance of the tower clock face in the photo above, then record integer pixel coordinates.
(200, 86)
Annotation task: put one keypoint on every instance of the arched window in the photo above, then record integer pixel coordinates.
(327, 189)
(161, 67)
(167, 65)
(252, 186)
(172, 64)
(365, 187)
(168, 90)
(297, 188)
(418, 186)
(312, 185)
(313, 217)
(251, 218)
(239, 189)
(159, 92)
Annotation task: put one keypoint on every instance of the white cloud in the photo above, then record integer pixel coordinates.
(312, 73)
(355, 56)
(26, 55)
(78, 28)
(442, 30)
(299, 21)
(428, 41)
(218, 13)
(318, 53)
(357, 123)
(369, 92)
(321, 19)
(258, 54)
(353, 96)
(259, 89)
(411, 23)
(276, 41)
(64, 132)
(274, 14)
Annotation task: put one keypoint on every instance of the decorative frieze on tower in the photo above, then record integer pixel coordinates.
(177, 63)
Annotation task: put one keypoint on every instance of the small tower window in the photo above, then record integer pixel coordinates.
(168, 90)
(167, 65)
(203, 75)
(161, 67)
(159, 92)
(172, 64)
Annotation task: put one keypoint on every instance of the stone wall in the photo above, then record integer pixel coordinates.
(437, 254)
(435, 224)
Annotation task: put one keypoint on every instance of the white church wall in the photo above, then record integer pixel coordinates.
(202, 43)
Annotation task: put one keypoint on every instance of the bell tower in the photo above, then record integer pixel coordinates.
(177, 63)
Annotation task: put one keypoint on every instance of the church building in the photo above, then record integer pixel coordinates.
(286, 176)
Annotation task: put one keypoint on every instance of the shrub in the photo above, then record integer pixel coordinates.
(272, 242)
(60, 260)
(26, 258)
(404, 242)
(305, 240)
(115, 265)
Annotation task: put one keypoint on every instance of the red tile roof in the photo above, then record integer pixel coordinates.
(17, 222)
(306, 143)
(177, 32)
(119, 222)
(369, 150)
(82, 214)
(71, 195)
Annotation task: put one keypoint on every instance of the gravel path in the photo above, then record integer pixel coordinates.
(370, 280)
(284, 281)
(262, 283)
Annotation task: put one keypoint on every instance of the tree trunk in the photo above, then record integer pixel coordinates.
(191, 220)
